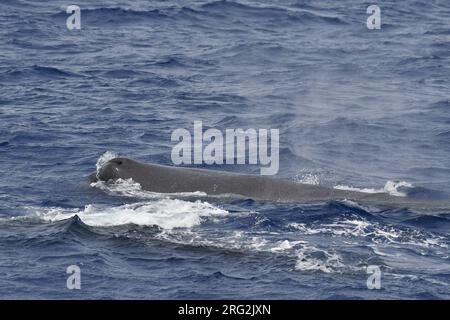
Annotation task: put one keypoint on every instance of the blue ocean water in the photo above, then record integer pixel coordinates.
(360, 108)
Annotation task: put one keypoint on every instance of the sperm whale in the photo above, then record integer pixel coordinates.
(169, 179)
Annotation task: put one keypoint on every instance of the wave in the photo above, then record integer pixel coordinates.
(164, 213)
(36, 71)
(307, 257)
(30, 230)
(122, 74)
(311, 258)
(116, 15)
(205, 226)
(270, 11)
(120, 15)
(288, 230)
(374, 232)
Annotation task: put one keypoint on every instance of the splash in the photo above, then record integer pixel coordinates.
(132, 189)
(391, 187)
(307, 178)
(165, 213)
(310, 258)
(374, 232)
(104, 158)
(307, 256)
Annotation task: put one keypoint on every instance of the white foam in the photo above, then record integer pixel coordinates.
(378, 233)
(307, 178)
(391, 187)
(286, 245)
(165, 213)
(129, 188)
(303, 228)
(310, 258)
(307, 256)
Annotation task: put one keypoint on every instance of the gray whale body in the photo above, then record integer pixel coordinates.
(168, 179)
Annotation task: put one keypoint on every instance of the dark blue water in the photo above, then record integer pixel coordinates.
(355, 108)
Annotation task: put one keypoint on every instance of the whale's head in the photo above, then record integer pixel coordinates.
(117, 168)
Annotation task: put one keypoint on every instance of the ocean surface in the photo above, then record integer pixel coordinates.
(356, 108)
